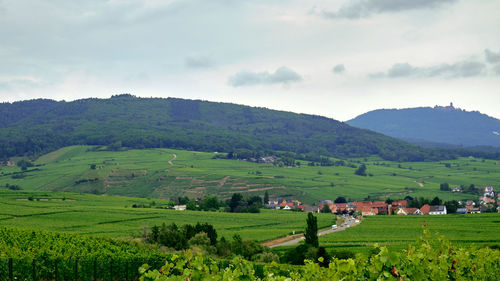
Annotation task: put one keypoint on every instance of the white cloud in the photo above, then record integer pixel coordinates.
(492, 57)
(460, 69)
(282, 75)
(355, 9)
(339, 68)
(198, 49)
(198, 61)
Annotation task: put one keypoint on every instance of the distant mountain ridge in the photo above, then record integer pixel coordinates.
(35, 127)
(434, 126)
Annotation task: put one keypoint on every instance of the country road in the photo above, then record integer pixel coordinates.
(350, 222)
(173, 158)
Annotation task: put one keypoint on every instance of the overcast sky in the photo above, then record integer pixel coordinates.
(332, 58)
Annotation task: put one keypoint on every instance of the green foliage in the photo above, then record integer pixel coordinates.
(436, 201)
(147, 173)
(433, 126)
(444, 187)
(326, 209)
(112, 216)
(24, 164)
(361, 170)
(177, 238)
(397, 232)
(311, 233)
(45, 248)
(39, 126)
(266, 197)
(427, 259)
(210, 203)
(340, 199)
(451, 206)
(237, 204)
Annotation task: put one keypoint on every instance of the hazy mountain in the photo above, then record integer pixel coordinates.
(38, 126)
(436, 126)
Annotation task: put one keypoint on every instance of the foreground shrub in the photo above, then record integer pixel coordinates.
(428, 259)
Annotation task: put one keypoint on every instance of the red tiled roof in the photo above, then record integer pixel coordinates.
(425, 209)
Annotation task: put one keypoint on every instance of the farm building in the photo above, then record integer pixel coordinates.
(437, 210)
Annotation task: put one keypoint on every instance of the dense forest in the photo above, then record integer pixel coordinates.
(34, 127)
(435, 126)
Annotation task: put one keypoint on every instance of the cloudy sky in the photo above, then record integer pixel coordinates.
(332, 58)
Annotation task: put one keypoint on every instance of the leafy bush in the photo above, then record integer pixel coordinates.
(428, 259)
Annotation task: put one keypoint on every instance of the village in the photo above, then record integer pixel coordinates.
(485, 203)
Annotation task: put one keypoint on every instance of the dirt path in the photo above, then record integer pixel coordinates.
(419, 183)
(173, 158)
(223, 181)
(295, 239)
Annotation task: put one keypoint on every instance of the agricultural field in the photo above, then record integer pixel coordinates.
(396, 232)
(167, 173)
(113, 216)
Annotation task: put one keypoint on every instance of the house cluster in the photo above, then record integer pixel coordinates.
(266, 159)
(424, 210)
(372, 208)
(485, 202)
(290, 204)
(365, 208)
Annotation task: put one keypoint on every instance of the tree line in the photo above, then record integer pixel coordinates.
(34, 127)
(203, 238)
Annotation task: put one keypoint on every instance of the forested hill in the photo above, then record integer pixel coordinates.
(445, 125)
(38, 126)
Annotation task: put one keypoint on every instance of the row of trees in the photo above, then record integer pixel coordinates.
(39, 126)
(237, 203)
(310, 249)
(427, 259)
(466, 189)
(203, 238)
(451, 206)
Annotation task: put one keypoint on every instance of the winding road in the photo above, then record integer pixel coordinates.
(173, 158)
(350, 221)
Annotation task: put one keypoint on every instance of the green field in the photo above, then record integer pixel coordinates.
(148, 173)
(396, 232)
(112, 216)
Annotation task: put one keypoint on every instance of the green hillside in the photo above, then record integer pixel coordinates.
(396, 232)
(434, 126)
(157, 173)
(113, 216)
(39, 126)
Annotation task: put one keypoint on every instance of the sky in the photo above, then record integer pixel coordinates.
(332, 58)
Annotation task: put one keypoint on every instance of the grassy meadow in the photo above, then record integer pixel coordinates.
(157, 173)
(112, 216)
(396, 232)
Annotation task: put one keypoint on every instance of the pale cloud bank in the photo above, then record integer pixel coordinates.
(282, 75)
(460, 69)
(491, 56)
(339, 68)
(356, 9)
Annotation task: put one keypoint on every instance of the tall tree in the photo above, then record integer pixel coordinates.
(361, 171)
(235, 201)
(326, 209)
(340, 199)
(266, 197)
(436, 201)
(312, 230)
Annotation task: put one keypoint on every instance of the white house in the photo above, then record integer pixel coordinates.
(180, 207)
(437, 210)
(488, 191)
(418, 212)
